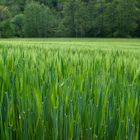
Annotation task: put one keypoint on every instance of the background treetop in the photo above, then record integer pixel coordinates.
(69, 18)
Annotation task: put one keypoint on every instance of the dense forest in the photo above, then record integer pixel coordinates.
(69, 18)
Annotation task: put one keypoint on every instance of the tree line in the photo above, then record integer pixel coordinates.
(69, 18)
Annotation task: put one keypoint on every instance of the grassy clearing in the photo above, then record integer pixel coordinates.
(70, 89)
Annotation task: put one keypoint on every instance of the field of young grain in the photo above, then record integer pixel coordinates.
(70, 89)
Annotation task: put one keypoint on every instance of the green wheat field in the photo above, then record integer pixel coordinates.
(69, 89)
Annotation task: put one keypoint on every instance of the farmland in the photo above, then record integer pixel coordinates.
(69, 89)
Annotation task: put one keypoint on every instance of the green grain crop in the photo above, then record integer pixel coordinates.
(70, 89)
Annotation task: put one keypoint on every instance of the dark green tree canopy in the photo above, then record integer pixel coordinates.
(69, 18)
